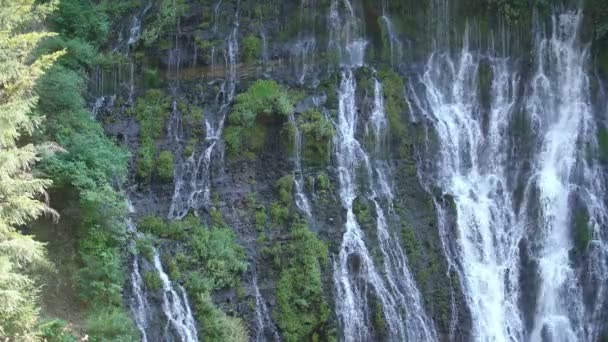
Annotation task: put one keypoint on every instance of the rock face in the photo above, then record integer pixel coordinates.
(404, 272)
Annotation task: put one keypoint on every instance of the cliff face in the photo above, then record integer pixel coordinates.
(234, 112)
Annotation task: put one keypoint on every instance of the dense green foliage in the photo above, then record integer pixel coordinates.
(252, 48)
(213, 261)
(264, 102)
(298, 257)
(85, 174)
(151, 111)
(317, 133)
(396, 108)
(20, 188)
(302, 311)
(216, 326)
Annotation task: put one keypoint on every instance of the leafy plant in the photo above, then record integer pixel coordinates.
(165, 165)
(263, 103)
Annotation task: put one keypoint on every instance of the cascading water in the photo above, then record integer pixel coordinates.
(355, 275)
(265, 329)
(192, 176)
(472, 169)
(180, 324)
(559, 105)
(176, 307)
(475, 167)
(139, 302)
(302, 201)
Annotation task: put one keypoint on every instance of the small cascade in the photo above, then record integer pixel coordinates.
(396, 46)
(175, 307)
(265, 55)
(303, 53)
(302, 201)
(135, 30)
(192, 176)
(139, 303)
(355, 274)
(418, 327)
(265, 329)
(180, 325)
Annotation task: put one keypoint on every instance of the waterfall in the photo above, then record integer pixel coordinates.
(396, 47)
(139, 303)
(301, 199)
(472, 169)
(477, 168)
(192, 176)
(180, 322)
(264, 326)
(560, 107)
(355, 274)
(175, 306)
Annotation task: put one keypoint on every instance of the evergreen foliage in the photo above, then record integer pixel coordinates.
(22, 191)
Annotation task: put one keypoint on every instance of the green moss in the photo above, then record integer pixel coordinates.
(602, 141)
(152, 281)
(190, 147)
(362, 211)
(396, 107)
(252, 48)
(379, 321)
(151, 78)
(318, 133)
(164, 165)
(582, 232)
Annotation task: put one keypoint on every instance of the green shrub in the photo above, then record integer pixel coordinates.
(279, 214)
(252, 48)
(322, 181)
(100, 277)
(318, 133)
(165, 165)
(285, 188)
(151, 112)
(264, 103)
(302, 312)
(216, 325)
(174, 230)
(144, 247)
(56, 330)
(112, 325)
(152, 281)
(218, 256)
(260, 218)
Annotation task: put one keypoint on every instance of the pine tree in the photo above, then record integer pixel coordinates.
(22, 191)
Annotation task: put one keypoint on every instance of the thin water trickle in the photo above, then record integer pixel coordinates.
(192, 176)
